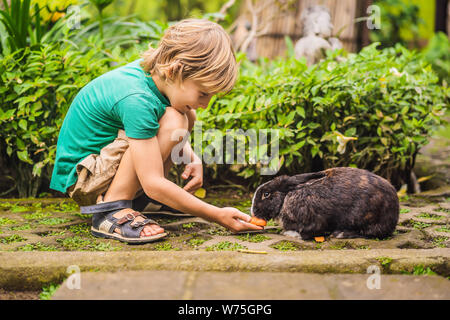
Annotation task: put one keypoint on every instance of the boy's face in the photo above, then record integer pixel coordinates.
(191, 96)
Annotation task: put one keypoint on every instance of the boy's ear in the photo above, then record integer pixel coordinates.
(169, 73)
(172, 69)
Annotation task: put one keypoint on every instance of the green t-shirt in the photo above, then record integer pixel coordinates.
(125, 98)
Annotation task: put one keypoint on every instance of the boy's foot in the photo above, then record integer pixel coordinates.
(149, 230)
(117, 220)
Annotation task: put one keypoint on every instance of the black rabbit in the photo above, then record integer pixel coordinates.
(344, 202)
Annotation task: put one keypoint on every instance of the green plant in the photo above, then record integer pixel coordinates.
(419, 225)
(427, 215)
(37, 215)
(85, 244)
(36, 247)
(253, 237)
(52, 233)
(165, 246)
(341, 245)
(385, 261)
(225, 246)
(16, 21)
(12, 238)
(22, 27)
(443, 229)
(82, 216)
(48, 291)
(15, 208)
(101, 5)
(400, 23)
(25, 226)
(389, 100)
(420, 270)
(53, 221)
(34, 98)
(219, 231)
(82, 228)
(189, 225)
(285, 245)
(403, 210)
(437, 53)
(195, 242)
(443, 210)
(440, 242)
(4, 221)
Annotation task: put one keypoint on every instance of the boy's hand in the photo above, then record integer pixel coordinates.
(235, 220)
(194, 169)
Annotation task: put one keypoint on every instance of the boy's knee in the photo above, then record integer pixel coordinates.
(173, 120)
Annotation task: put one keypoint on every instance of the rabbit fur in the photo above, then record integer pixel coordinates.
(343, 202)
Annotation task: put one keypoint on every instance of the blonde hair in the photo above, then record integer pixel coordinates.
(196, 49)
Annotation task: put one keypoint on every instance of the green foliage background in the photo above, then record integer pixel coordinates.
(390, 99)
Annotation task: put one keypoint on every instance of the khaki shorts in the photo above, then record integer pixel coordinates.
(96, 171)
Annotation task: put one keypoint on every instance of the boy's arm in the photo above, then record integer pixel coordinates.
(194, 169)
(148, 163)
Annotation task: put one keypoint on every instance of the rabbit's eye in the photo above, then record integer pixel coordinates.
(265, 195)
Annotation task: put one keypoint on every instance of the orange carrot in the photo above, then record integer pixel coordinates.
(258, 222)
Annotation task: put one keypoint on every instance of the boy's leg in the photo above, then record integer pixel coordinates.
(126, 184)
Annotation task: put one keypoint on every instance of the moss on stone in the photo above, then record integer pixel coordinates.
(5, 221)
(253, 237)
(85, 244)
(165, 246)
(225, 246)
(54, 221)
(12, 238)
(36, 247)
(285, 245)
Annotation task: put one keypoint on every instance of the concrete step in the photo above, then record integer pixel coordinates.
(196, 285)
(33, 270)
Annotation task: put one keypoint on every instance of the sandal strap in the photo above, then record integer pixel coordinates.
(131, 216)
(106, 207)
(142, 223)
(129, 228)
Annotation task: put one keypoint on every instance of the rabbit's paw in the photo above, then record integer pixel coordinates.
(293, 234)
(345, 234)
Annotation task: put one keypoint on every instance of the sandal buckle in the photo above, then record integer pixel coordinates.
(130, 216)
(136, 224)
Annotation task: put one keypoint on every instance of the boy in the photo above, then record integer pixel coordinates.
(116, 139)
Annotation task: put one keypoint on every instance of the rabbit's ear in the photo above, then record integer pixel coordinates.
(290, 183)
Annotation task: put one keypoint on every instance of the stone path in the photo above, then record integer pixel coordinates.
(56, 225)
(40, 238)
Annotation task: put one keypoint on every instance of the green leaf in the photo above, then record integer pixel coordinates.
(23, 156)
(20, 144)
(300, 111)
(289, 46)
(23, 124)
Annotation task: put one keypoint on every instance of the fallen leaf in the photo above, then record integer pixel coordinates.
(200, 193)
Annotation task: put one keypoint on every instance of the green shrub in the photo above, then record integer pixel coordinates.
(400, 23)
(21, 26)
(389, 99)
(36, 89)
(437, 52)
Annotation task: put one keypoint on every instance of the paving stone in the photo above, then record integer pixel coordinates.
(56, 225)
(176, 285)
